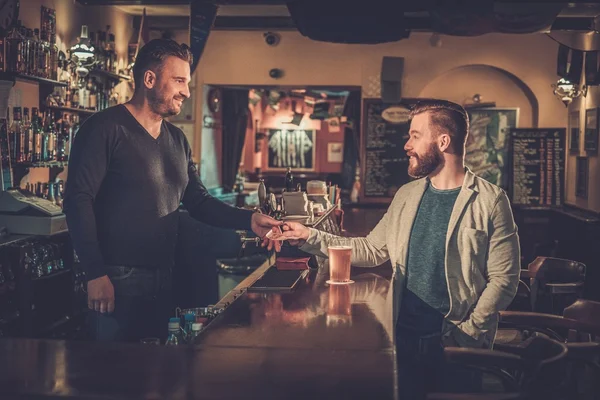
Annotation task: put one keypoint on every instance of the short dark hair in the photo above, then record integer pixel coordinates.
(152, 55)
(446, 117)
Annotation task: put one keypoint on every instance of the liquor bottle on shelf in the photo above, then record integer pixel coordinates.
(107, 51)
(101, 97)
(5, 154)
(61, 138)
(74, 93)
(93, 96)
(84, 96)
(15, 50)
(68, 94)
(30, 53)
(19, 136)
(50, 132)
(73, 127)
(44, 136)
(112, 53)
(12, 137)
(38, 59)
(28, 136)
(36, 128)
(98, 50)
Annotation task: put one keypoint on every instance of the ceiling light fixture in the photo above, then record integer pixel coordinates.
(567, 91)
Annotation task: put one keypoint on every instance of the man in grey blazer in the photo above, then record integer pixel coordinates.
(450, 236)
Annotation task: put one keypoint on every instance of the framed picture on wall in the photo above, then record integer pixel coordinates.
(581, 179)
(291, 148)
(335, 152)
(590, 144)
(486, 150)
(574, 131)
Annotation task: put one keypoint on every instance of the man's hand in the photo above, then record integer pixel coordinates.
(261, 225)
(101, 295)
(296, 233)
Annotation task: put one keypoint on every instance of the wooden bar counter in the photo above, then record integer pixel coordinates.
(317, 342)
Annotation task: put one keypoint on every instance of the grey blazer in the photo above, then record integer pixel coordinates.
(482, 255)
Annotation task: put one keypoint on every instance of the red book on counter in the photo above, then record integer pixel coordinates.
(291, 263)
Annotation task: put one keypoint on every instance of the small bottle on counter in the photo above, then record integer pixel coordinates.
(187, 327)
(174, 338)
(196, 329)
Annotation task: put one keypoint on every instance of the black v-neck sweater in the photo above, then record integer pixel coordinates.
(124, 189)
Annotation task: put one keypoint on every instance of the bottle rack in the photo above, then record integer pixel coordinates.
(46, 87)
(80, 111)
(14, 76)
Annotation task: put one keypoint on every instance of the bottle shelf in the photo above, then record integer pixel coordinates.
(12, 76)
(110, 75)
(42, 164)
(79, 111)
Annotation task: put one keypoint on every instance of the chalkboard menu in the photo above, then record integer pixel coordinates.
(537, 169)
(385, 163)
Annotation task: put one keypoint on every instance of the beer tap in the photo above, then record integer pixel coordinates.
(245, 240)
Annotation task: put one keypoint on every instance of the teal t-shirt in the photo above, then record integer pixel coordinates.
(425, 299)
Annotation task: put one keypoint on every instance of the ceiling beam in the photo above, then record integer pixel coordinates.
(221, 23)
(252, 23)
(176, 2)
(132, 2)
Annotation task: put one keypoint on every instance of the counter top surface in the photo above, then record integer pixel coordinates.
(318, 342)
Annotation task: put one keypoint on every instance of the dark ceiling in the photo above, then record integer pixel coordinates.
(378, 21)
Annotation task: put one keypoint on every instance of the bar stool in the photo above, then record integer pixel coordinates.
(579, 329)
(532, 369)
(555, 283)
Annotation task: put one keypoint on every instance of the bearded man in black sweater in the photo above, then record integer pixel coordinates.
(129, 172)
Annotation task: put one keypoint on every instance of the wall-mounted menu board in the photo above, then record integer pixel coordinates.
(537, 168)
(384, 161)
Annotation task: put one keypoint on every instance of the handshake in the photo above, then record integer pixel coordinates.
(274, 232)
(294, 233)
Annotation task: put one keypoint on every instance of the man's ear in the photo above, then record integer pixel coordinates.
(149, 79)
(444, 141)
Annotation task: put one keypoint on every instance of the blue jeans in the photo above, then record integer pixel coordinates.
(143, 305)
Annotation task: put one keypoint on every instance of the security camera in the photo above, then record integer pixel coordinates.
(276, 73)
(271, 38)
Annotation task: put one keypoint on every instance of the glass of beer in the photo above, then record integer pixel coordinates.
(339, 264)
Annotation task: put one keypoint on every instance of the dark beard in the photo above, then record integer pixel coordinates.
(427, 163)
(157, 105)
